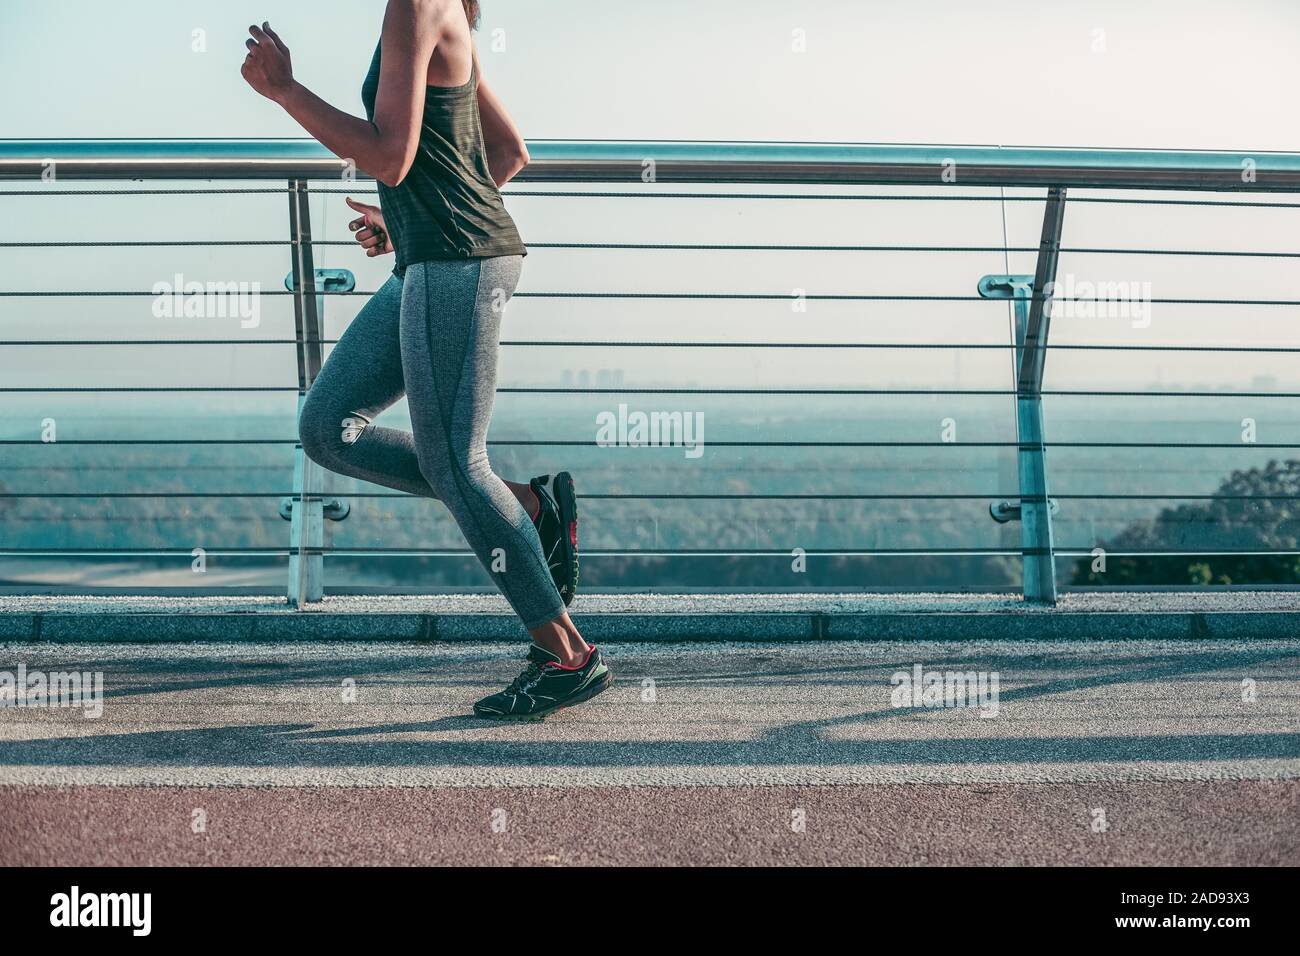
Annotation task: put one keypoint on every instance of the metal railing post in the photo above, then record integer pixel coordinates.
(307, 526)
(1032, 299)
(1039, 559)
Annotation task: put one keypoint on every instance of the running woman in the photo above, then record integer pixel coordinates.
(441, 145)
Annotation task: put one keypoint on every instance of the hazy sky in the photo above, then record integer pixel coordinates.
(1158, 73)
(1152, 73)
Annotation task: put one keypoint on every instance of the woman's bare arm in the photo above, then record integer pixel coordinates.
(506, 152)
(386, 147)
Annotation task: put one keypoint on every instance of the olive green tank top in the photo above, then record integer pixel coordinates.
(448, 206)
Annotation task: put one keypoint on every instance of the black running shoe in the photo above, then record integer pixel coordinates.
(557, 526)
(546, 685)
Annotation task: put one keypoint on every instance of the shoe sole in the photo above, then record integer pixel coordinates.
(567, 501)
(597, 688)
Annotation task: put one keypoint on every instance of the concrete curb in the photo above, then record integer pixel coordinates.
(281, 626)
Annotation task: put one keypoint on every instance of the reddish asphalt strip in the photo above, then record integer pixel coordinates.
(1194, 823)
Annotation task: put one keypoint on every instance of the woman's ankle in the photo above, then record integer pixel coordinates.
(562, 639)
(526, 497)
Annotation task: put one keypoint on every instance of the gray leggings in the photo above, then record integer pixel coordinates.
(433, 337)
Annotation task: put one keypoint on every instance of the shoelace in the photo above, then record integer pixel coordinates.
(531, 673)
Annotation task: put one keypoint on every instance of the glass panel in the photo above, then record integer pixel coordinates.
(638, 531)
(130, 456)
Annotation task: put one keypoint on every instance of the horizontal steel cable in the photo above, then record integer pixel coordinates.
(657, 390)
(592, 443)
(155, 243)
(315, 552)
(145, 192)
(83, 342)
(772, 247)
(521, 343)
(668, 296)
(1070, 551)
(595, 194)
(784, 296)
(659, 246)
(861, 197)
(650, 496)
(892, 345)
(415, 552)
(146, 389)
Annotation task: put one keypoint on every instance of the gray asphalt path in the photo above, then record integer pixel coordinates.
(678, 715)
(1096, 752)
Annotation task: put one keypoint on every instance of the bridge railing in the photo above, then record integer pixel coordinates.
(1021, 510)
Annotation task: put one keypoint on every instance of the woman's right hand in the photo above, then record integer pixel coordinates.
(369, 229)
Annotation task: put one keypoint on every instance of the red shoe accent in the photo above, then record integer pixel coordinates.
(576, 667)
(573, 532)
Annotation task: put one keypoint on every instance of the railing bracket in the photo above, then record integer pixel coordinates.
(332, 509)
(1006, 287)
(327, 281)
(1004, 511)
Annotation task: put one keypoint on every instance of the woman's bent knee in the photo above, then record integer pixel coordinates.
(325, 432)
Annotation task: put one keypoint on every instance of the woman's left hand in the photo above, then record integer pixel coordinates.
(267, 68)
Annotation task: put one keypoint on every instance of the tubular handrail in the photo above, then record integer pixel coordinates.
(688, 162)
